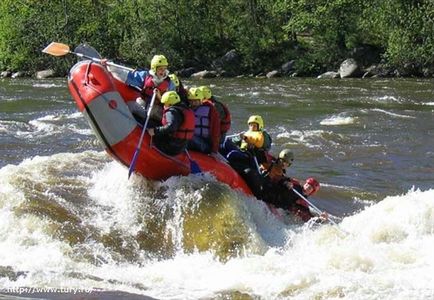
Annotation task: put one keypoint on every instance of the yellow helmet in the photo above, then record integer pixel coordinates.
(287, 156)
(175, 79)
(158, 61)
(256, 119)
(195, 94)
(207, 94)
(170, 98)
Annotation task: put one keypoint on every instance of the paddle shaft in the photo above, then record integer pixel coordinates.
(194, 167)
(258, 168)
(316, 209)
(234, 135)
(139, 145)
(109, 63)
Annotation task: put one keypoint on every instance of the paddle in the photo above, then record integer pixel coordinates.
(256, 164)
(87, 51)
(194, 167)
(316, 209)
(234, 135)
(139, 145)
(59, 49)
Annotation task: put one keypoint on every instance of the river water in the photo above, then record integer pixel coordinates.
(69, 218)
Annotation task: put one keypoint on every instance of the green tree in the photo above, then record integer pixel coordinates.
(186, 31)
(327, 28)
(317, 34)
(256, 30)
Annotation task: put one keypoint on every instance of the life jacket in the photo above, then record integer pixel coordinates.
(202, 120)
(186, 130)
(255, 138)
(149, 85)
(224, 114)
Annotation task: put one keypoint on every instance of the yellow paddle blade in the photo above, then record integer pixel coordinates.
(56, 49)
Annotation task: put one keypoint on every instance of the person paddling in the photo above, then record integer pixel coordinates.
(248, 148)
(147, 81)
(177, 125)
(293, 202)
(207, 124)
(222, 109)
(275, 170)
(156, 80)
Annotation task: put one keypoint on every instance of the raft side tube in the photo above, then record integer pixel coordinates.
(115, 127)
(99, 96)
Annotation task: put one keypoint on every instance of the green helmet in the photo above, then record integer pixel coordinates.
(287, 156)
(256, 119)
(195, 94)
(175, 79)
(158, 61)
(207, 94)
(170, 98)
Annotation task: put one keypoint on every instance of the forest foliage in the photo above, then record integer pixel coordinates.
(317, 34)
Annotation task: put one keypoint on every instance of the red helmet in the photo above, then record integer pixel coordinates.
(314, 183)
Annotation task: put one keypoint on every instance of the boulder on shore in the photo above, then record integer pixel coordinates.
(287, 68)
(273, 73)
(18, 74)
(230, 63)
(186, 73)
(330, 74)
(349, 68)
(44, 74)
(5, 74)
(204, 74)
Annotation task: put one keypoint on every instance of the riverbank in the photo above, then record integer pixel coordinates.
(364, 63)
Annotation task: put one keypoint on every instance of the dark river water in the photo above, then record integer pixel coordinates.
(70, 218)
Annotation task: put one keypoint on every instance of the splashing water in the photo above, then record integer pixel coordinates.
(191, 237)
(70, 218)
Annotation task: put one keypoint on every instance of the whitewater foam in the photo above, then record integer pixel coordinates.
(47, 85)
(385, 255)
(338, 120)
(387, 98)
(393, 114)
(49, 125)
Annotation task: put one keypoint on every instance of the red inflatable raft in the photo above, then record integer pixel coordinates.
(102, 99)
